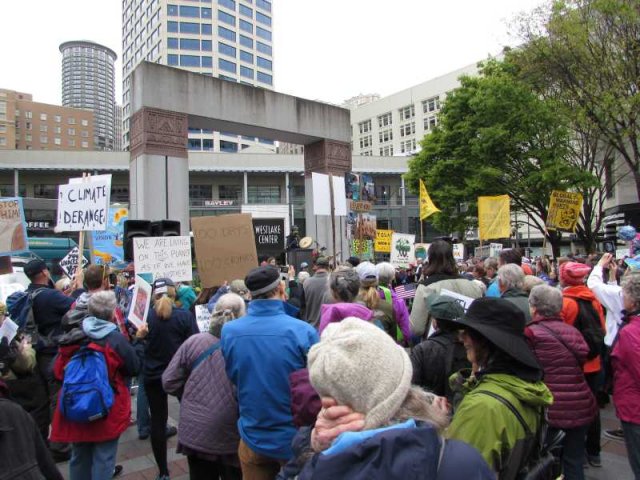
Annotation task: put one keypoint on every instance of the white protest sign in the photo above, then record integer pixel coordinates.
(458, 251)
(94, 178)
(203, 318)
(495, 249)
(466, 301)
(164, 257)
(402, 249)
(140, 302)
(8, 329)
(84, 206)
(339, 197)
(69, 263)
(321, 194)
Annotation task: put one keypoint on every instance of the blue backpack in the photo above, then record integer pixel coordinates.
(86, 394)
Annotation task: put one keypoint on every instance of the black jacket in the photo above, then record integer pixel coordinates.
(49, 306)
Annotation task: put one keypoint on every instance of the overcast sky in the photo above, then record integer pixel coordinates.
(326, 50)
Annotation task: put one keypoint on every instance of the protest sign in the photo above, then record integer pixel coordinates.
(363, 249)
(421, 251)
(84, 206)
(225, 247)
(564, 211)
(321, 188)
(458, 251)
(269, 235)
(108, 245)
(140, 302)
(402, 250)
(495, 249)
(383, 241)
(203, 318)
(13, 233)
(163, 257)
(8, 329)
(494, 217)
(360, 207)
(69, 264)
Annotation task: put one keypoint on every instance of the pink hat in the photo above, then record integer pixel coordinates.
(573, 273)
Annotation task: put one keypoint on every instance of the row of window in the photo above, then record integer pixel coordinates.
(71, 142)
(56, 129)
(205, 29)
(189, 44)
(56, 118)
(188, 11)
(224, 65)
(231, 4)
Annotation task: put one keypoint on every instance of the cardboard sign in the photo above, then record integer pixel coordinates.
(383, 241)
(360, 207)
(269, 235)
(163, 257)
(203, 318)
(140, 302)
(458, 251)
(402, 249)
(84, 206)
(564, 211)
(69, 264)
(225, 247)
(363, 249)
(108, 245)
(13, 234)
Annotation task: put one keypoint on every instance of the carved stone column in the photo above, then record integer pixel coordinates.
(159, 167)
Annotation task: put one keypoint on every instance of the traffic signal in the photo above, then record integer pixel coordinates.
(166, 228)
(132, 229)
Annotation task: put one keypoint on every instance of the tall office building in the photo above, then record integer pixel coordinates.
(117, 138)
(88, 81)
(228, 39)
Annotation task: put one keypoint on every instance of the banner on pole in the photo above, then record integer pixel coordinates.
(494, 217)
(402, 249)
(427, 207)
(108, 245)
(13, 232)
(564, 211)
(84, 205)
(383, 241)
(69, 264)
(363, 249)
(163, 257)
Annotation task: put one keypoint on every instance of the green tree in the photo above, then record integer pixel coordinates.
(495, 136)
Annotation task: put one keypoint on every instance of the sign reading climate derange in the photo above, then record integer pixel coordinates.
(163, 257)
(84, 206)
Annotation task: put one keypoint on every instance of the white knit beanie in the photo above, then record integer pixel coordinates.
(360, 365)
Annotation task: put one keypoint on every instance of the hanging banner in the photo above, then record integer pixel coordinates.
(353, 186)
(367, 188)
(458, 251)
(564, 211)
(269, 236)
(383, 241)
(402, 250)
(494, 217)
(69, 264)
(84, 206)
(140, 302)
(108, 245)
(363, 249)
(13, 234)
(163, 257)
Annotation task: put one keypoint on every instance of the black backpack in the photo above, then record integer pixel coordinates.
(455, 360)
(588, 323)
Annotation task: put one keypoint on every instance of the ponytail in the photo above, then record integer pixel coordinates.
(163, 303)
(369, 295)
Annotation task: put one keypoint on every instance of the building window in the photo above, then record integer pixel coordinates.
(207, 45)
(27, 137)
(263, 19)
(228, 147)
(85, 123)
(246, 26)
(205, 12)
(206, 29)
(57, 119)
(28, 114)
(172, 60)
(45, 191)
(172, 10)
(365, 126)
(207, 144)
(189, 44)
(264, 48)
(430, 122)
(71, 132)
(43, 117)
(199, 193)
(226, 18)
(407, 129)
(262, 33)
(84, 134)
(226, 65)
(264, 63)
(194, 144)
(120, 193)
(71, 121)
(226, 33)
(365, 141)
(189, 27)
(207, 62)
(407, 112)
(229, 192)
(408, 146)
(57, 141)
(230, 4)
(71, 142)
(27, 125)
(264, 4)
(172, 43)
(366, 153)
(3, 141)
(189, 61)
(431, 104)
(246, 56)
(189, 11)
(263, 193)
(385, 136)
(386, 151)
(246, 41)
(265, 78)
(3, 129)
(227, 49)
(246, 72)
(384, 120)
(172, 27)
(43, 128)
(246, 11)
(85, 144)
(57, 129)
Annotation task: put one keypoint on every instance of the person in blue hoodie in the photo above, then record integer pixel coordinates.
(260, 351)
(395, 430)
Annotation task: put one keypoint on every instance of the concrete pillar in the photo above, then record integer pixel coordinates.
(16, 183)
(159, 168)
(245, 188)
(326, 156)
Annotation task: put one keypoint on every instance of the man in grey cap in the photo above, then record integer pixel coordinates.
(260, 351)
(316, 291)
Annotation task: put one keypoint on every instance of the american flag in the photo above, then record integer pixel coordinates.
(406, 291)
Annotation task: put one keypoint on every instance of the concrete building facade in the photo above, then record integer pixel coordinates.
(88, 81)
(29, 125)
(228, 39)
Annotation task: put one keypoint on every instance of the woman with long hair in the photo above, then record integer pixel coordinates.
(166, 329)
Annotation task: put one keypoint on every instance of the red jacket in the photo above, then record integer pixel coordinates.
(573, 403)
(121, 361)
(570, 313)
(625, 359)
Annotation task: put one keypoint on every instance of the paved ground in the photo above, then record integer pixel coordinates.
(137, 459)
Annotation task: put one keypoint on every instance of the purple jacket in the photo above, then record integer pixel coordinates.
(573, 403)
(208, 409)
(400, 312)
(335, 312)
(625, 359)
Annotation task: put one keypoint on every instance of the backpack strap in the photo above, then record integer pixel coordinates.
(204, 355)
(510, 406)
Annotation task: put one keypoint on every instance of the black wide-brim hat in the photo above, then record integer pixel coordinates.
(502, 323)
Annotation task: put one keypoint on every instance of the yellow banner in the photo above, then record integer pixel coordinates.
(427, 207)
(383, 241)
(494, 217)
(564, 211)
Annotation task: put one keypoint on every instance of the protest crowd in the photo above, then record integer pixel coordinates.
(493, 367)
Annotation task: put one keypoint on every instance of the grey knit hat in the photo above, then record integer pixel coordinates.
(360, 365)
